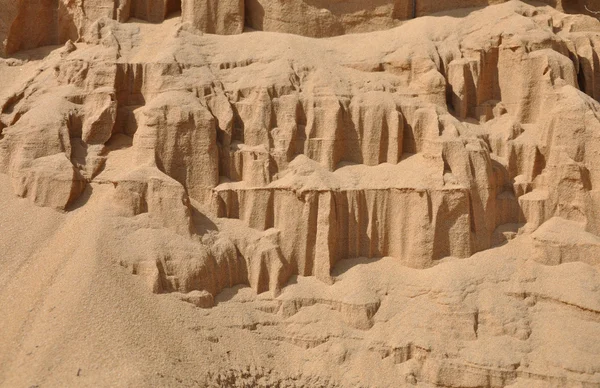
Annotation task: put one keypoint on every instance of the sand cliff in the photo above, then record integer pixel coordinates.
(416, 206)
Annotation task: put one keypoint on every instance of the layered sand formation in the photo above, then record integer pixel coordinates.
(26, 24)
(341, 179)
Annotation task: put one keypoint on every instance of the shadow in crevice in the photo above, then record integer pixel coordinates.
(202, 224)
(343, 266)
(82, 200)
(118, 141)
(172, 8)
(227, 294)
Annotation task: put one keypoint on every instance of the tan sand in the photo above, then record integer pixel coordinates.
(411, 203)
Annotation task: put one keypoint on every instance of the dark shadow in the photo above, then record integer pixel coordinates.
(344, 266)
(353, 220)
(581, 76)
(202, 224)
(118, 141)
(409, 143)
(441, 239)
(522, 218)
(229, 293)
(292, 280)
(502, 233)
(173, 8)
(585, 179)
(129, 83)
(11, 103)
(81, 200)
(575, 6)
(254, 15)
(507, 180)
(539, 164)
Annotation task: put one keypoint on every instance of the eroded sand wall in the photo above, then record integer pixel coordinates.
(26, 24)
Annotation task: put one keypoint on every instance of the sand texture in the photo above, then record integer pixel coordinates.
(302, 193)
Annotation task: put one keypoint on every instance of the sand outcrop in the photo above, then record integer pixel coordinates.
(223, 17)
(421, 200)
(342, 158)
(26, 24)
